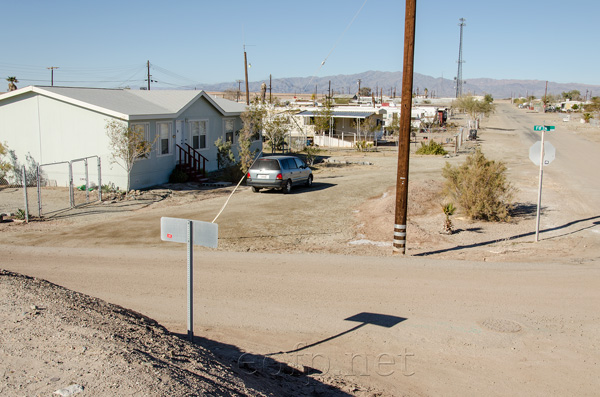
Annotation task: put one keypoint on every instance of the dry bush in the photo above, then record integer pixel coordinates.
(480, 187)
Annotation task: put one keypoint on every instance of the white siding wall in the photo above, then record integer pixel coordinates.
(53, 131)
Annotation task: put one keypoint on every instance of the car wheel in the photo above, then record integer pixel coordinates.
(255, 189)
(288, 187)
(309, 181)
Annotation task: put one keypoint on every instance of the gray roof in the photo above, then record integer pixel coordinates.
(133, 104)
(345, 114)
(229, 106)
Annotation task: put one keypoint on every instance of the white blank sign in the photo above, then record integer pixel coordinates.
(176, 230)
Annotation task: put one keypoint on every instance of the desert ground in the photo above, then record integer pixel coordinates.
(303, 294)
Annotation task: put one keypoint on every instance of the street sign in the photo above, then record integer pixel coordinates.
(193, 233)
(175, 230)
(535, 151)
(543, 128)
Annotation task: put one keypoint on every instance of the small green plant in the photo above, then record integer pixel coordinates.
(480, 188)
(433, 148)
(448, 210)
(20, 214)
(110, 188)
(178, 176)
(587, 117)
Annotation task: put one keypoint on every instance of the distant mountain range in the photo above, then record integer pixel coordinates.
(390, 81)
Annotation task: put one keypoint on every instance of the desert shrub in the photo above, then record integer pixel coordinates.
(363, 146)
(432, 148)
(480, 187)
(232, 174)
(225, 156)
(311, 154)
(178, 176)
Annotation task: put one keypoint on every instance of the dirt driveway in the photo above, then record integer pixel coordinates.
(294, 270)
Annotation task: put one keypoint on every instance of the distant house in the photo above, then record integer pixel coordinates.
(346, 125)
(56, 124)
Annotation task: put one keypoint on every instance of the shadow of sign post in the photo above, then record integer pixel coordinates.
(364, 318)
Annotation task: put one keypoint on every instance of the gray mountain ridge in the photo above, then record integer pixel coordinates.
(390, 81)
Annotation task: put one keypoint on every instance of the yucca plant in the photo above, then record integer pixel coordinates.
(448, 210)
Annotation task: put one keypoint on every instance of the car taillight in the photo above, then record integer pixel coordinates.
(248, 176)
(279, 176)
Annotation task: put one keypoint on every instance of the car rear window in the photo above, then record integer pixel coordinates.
(266, 164)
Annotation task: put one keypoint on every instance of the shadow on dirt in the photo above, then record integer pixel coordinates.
(499, 129)
(266, 374)
(316, 186)
(484, 243)
(364, 318)
(526, 210)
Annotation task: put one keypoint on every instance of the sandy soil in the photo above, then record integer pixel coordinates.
(485, 310)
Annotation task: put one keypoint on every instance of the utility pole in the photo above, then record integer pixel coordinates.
(148, 65)
(404, 135)
(359, 81)
(239, 90)
(52, 74)
(545, 95)
(329, 97)
(270, 92)
(246, 73)
(459, 78)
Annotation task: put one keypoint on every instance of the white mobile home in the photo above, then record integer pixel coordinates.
(56, 124)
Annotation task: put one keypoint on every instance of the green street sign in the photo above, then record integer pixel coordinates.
(543, 128)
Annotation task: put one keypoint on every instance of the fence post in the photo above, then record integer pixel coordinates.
(71, 193)
(87, 182)
(25, 194)
(99, 180)
(39, 192)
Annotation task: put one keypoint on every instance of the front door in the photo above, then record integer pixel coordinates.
(180, 133)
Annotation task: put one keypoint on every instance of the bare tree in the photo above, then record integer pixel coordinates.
(275, 130)
(253, 124)
(128, 145)
(473, 107)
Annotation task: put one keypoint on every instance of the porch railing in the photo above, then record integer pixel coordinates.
(191, 160)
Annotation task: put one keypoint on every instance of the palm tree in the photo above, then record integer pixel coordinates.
(11, 83)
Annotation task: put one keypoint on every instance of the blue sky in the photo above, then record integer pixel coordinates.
(107, 43)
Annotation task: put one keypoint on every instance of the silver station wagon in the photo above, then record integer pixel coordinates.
(278, 172)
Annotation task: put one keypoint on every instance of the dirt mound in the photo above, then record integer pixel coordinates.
(52, 338)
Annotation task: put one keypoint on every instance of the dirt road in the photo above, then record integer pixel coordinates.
(310, 275)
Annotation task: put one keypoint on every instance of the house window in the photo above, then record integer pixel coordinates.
(143, 130)
(198, 130)
(164, 141)
(229, 129)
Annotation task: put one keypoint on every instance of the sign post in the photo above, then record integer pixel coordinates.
(192, 233)
(546, 156)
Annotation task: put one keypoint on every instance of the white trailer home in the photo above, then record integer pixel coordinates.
(55, 124)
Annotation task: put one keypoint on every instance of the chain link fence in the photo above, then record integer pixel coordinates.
(51, 188)
(18, 195)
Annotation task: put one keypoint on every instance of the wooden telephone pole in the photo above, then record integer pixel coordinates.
(404, 136)
(246, 72)
(51, 74)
